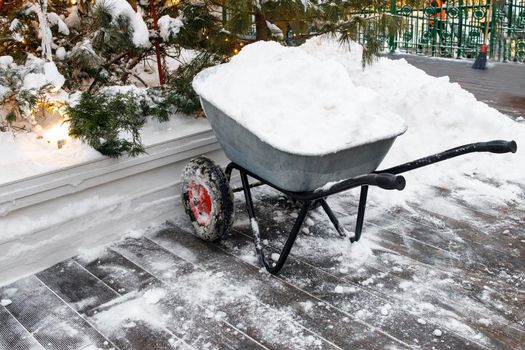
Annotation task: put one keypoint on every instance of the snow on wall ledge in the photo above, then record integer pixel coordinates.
(47, 218)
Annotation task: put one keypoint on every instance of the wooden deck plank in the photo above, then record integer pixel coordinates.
(356, 300)
(180, 319)
(53, 323)
(322, 280)
(470, 280)
(272, 311)
(501, 225)
(474, 251)
(117, 272)
(76, 286)
(87, 294)
(131, 323)
(13, 335)
(386, 273)
(201, 327)
(478, 253)
(323, 319)
(476, 258)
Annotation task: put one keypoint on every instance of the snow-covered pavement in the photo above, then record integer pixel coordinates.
(444, 275)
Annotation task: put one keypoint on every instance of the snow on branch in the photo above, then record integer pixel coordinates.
(117, 8)
(169, 27)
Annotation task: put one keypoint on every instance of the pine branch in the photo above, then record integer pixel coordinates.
(140, 79)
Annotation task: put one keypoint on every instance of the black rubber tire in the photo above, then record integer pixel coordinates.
(207, 199)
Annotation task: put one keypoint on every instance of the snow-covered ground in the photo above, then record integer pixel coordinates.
(415, 280)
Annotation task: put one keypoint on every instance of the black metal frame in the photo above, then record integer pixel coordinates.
(386, 179)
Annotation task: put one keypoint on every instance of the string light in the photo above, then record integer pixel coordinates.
(58, 134)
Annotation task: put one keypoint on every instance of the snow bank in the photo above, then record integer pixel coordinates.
(440, 115)
(296, 101)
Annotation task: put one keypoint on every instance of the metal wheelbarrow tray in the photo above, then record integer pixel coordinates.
(208, 197)
(293, 172)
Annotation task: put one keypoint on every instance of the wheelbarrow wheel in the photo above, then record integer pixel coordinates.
(207, 199)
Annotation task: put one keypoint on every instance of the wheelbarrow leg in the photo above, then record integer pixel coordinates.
(341, 230)
(257, 236)
(360, 214)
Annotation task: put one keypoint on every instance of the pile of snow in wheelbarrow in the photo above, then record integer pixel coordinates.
(317, 98)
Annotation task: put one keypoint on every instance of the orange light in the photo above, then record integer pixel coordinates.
(58, 134)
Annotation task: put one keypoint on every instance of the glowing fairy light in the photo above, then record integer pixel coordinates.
(57, 134)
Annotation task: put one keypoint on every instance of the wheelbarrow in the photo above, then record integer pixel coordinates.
(308, 179)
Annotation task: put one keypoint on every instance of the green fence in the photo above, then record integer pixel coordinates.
(461, 31)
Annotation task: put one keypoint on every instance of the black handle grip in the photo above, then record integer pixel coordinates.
(390, 182)
(498, 146)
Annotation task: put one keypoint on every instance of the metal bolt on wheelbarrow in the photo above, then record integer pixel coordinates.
(208, 197)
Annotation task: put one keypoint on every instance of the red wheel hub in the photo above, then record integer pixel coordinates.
(200, 202)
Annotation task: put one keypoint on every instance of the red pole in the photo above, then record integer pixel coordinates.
(157, 45)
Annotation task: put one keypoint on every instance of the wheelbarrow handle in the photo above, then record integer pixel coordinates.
(497, 146)
(388, 181)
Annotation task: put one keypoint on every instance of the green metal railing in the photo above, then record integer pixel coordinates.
(460, 34)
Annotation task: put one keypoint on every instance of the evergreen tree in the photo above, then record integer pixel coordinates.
(100, 43)
(245, 21)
